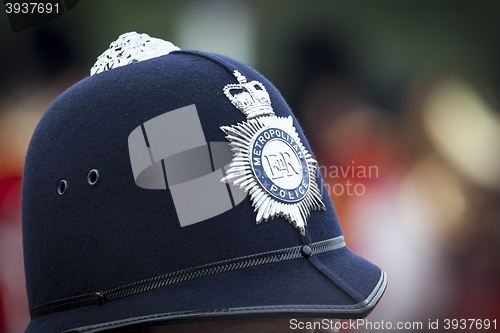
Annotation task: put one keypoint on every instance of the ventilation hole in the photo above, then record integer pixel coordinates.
(62, 187)
(92, 177)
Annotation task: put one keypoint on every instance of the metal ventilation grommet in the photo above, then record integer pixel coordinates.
(62, 187)
(93, 177)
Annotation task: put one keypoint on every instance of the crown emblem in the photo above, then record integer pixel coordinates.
(251, 98)
(270, 163)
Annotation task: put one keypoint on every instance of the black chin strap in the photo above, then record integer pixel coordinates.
(101, 297)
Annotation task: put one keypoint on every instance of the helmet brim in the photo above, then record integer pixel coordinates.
(298, 288)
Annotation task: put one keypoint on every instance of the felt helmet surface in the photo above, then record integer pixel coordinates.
(179, 186)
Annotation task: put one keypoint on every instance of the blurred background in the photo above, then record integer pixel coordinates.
(399, 100)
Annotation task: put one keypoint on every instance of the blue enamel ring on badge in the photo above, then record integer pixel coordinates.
(279, 165)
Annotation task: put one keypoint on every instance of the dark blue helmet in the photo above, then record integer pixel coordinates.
(177, 185)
